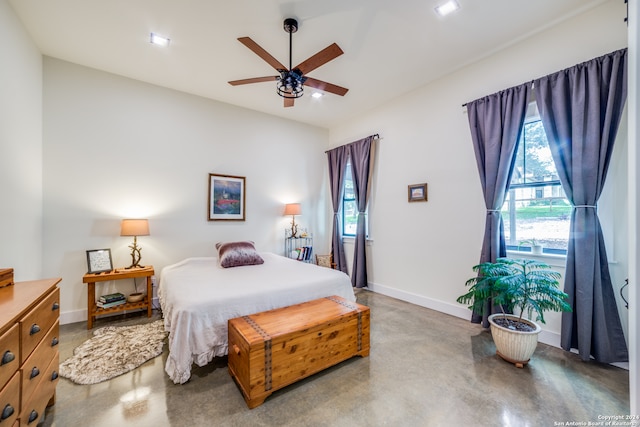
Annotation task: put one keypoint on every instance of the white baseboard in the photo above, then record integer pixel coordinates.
(545, 337)
(623, 365)
(75, 316)
(443, 307)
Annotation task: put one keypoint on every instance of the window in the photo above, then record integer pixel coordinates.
(536, 207)
(350, 207)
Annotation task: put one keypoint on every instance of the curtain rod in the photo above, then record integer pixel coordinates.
(374, 136)
(564, 69)
(465, 104)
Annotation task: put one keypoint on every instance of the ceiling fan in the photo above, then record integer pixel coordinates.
(291, 80)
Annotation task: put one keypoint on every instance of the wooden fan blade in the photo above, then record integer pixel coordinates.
(326, 87)
(320, 58)
(288, 102)
(253, 80)
(262, 53)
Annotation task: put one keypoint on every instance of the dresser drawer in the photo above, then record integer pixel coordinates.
(34, 369)
(37, 322)
(10, 401)
(9, 354)
(34, 407)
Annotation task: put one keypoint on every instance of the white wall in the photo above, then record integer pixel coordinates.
(117, 148)
(613, 210)
(20, 149)
(423, 252)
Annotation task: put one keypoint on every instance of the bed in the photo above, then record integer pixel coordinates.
(198, 297)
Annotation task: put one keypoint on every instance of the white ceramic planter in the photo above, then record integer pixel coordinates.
(536, 249)
(513, 346)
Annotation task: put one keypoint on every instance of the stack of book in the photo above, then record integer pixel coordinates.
(303, 253)
(111, 300)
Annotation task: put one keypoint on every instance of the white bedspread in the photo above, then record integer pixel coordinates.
(198, 298)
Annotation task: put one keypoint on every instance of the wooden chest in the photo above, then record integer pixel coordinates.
(272, 349)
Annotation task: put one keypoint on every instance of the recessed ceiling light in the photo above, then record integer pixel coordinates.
(447, 8)
(316, 95)
(159, 40)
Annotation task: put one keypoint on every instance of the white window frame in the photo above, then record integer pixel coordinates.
(342, 210)
(533, 116)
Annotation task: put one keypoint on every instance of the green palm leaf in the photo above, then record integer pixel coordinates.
(525, 285)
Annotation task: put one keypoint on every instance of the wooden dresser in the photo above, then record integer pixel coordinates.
(29, 325)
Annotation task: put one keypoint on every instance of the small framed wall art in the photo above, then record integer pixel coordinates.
(226, 198)
(418, 192)
(99, 261)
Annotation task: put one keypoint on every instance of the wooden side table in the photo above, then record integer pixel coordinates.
(121, 273)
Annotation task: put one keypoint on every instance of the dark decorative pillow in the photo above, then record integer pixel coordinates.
(236, 254)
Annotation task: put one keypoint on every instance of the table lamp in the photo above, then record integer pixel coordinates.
(135, 228)
(293, 209)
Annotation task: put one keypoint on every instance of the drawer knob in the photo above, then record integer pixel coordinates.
(236, 349)
(54, 342)
(34, 372)
(54, 376)
(55, 306)
(32, 416)
(34, 329)
(7, 412)
(7, 357)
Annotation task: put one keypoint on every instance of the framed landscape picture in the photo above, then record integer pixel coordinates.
(226, 198)
(418, 193)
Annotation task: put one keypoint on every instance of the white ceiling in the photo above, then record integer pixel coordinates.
(391, 46)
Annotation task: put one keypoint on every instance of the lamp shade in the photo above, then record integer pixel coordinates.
(292, 209)
(134, 227)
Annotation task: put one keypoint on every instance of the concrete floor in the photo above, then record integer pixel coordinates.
(425, 369)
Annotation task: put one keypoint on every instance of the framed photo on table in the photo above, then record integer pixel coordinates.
(99, 261)
(418, 193)
(226, 198)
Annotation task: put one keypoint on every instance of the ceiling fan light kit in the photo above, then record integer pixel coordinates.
(290, 82)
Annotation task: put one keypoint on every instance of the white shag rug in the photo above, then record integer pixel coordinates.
(113, 351)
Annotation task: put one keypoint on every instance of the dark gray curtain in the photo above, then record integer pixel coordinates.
(496, 125)
(580, 109)
(361, 165)
(337, 158)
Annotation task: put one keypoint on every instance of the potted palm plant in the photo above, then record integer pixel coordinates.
(523, 286)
